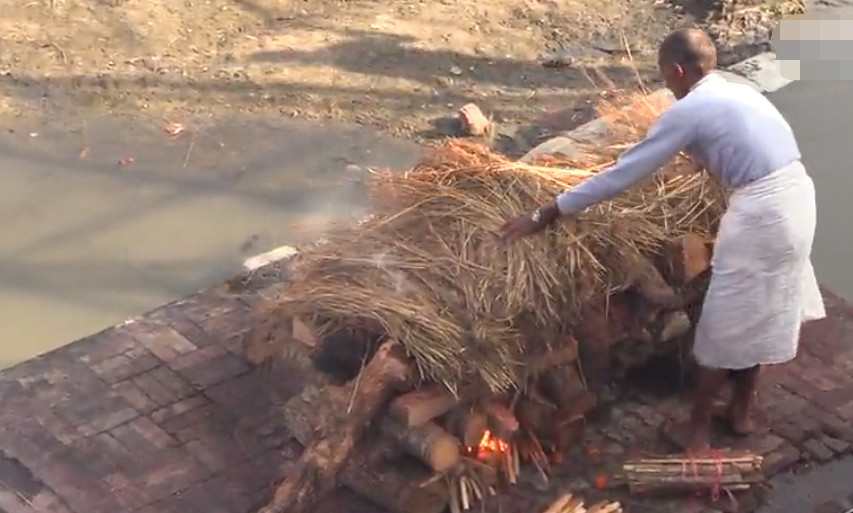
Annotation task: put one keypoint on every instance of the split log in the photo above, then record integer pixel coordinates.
(566, 353)
(344, 412)
(388, 487)
(650, 284)
(303, 332)
(684, 474)
(674, 325)
(537, 415)
(687, 258)
(422, 405)
(562, 385)
(427, 442)
(368, 474)
(469, 425)
(501, 421)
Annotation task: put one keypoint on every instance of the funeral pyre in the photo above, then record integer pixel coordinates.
(447, 362)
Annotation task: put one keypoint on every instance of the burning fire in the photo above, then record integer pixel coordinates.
(490, 444)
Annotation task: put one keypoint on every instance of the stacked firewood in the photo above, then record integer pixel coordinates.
(364, 431)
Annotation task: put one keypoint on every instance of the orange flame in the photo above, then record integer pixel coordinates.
(491, 444)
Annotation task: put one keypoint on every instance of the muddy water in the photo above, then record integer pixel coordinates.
(87, 242)
(821, 114)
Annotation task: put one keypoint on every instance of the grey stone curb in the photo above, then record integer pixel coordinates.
(759, 72)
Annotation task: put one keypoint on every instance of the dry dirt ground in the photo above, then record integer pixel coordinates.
(401, 65)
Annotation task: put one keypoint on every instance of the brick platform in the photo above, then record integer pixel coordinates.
(163, 415)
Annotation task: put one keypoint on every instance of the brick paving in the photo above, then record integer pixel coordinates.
(163, 414)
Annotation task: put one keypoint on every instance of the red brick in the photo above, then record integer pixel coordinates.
(829, 507)
(22, 438)
(101, 455)
(196, 498)
(791, 431)
(243, 486)
(163, 341)
(245, 394)
(135, 397)
(106, 344)
(839, 447)
(210, 366)
(845, 411)
(46, 500)
(780, 460)
(14, 475)
(179, 408)
(817, 450)
(199, 418)
(837, 428)
(212, 305)
(106, 420)
(126, 493)
(824, 377)
(163, 386)
(141, 435)
(764, 444)
(227, 323)
(172, 471)
(81, 491)
(123, 366)
(56, 426)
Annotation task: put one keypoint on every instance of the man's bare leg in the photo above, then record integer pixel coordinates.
(743, 397)
(695, 434)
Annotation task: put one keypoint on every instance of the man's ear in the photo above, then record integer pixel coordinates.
(679, 71)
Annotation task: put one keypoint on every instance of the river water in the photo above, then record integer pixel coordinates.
(88, 242)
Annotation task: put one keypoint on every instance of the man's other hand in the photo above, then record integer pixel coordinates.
(522, 226)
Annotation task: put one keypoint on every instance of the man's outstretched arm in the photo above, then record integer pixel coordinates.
(668, 136)
(672, 132)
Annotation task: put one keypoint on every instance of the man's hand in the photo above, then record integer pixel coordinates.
(522, 226)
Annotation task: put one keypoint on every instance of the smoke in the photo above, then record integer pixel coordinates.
(396, 278)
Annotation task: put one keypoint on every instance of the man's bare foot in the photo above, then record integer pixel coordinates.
(687, 436)
(739, 423)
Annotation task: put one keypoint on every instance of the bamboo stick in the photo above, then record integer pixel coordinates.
(605, 507)
(574, 506)
(463, 493)
(559, 504)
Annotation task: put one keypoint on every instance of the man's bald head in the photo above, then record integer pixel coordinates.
(691, 49)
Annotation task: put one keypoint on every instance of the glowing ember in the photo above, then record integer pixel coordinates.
(490, 444)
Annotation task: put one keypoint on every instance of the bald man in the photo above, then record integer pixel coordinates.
(762, 285)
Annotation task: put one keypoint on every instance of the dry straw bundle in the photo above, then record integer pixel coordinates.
(427, 267)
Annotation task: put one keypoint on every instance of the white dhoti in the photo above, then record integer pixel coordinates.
(763, 286)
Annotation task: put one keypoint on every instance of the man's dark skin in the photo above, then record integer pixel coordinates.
(685, 57)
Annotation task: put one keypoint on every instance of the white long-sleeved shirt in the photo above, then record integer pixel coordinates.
(731, 129)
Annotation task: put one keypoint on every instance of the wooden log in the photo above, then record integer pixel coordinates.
(422, 405)
(567, 352)
(650, 284)
(562, 385)
(674, 325)
(468, 425)
(537, 415)
(427, 442)
(683, 474)
(687, 258)
(368, 473)
(345, 413)
(389, 487)
(304, 333)
(501, 421)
